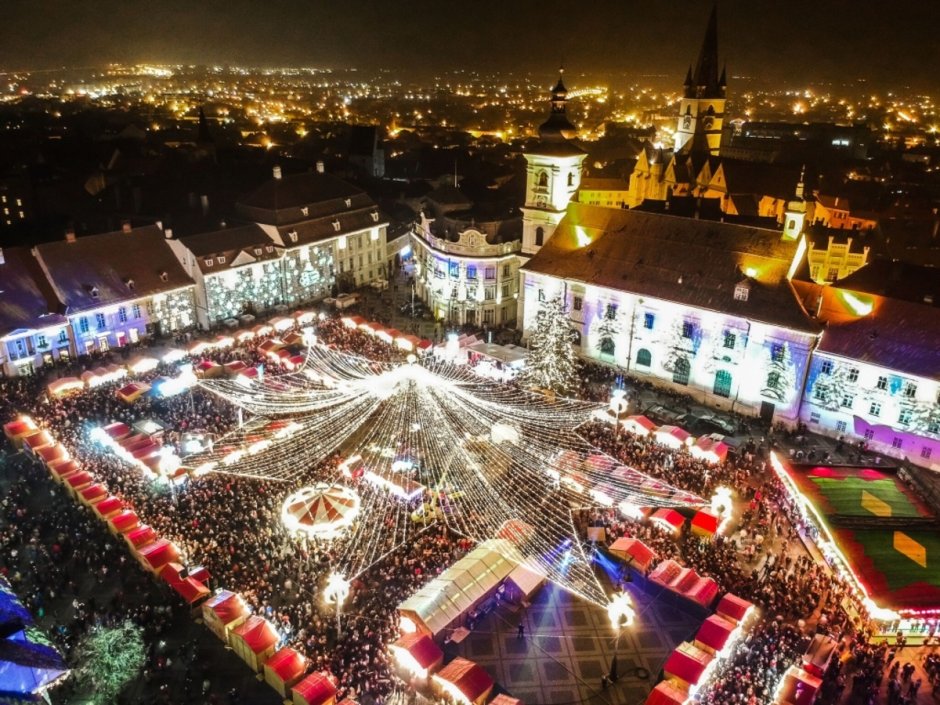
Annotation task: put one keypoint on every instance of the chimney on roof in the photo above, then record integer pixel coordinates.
(928, 298)
(70, 235)
(276, 172)
(126, 226)
(321, 167)
(169, 233)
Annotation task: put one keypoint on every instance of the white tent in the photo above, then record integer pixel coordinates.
(524, 581)
(445, 600)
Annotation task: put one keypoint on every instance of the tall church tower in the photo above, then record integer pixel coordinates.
(553, 174)
(702, 109)
(799, 211)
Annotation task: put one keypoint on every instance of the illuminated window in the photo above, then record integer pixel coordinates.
(644, 358)
(122, 314)
(925, 453)
(577, 303)
(542, 181)
(741, 292)
(853, 375)
(506, 270)
(882, 383)
(541, 294)
(649, 320)
(539, 236)
(841, 426)
(611, 312)
(910, 390)
(730, 339)
(904, 417)
(83, 324)
(847, 401)
(136, 310)
(63, 336)
(832, 274)
(336, 226)
(776, 352)
(471, 271)
(722, 386)
(490, 272)
(814, 417)
(688, 329)
(221, 260)
(100, 321)
(209, 262)
(875, 409)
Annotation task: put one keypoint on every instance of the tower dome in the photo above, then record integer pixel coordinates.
(557, 126)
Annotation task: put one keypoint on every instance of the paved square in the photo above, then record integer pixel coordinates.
(568, 646)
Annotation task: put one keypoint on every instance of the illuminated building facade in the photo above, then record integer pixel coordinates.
(702, 307)
(118, 288)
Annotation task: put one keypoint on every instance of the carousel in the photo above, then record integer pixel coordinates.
(322, 511)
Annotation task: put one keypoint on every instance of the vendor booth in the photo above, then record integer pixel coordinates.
(284, 670)
(669, 519)
(108, 507)
(52, 453)
(157, 554)
(36, 440)
(188, 587)
(63, 468)
(223, 612)
(464, 681)
(207, 369)
(715, 634)
(672, 437)
(78, 481)
(18, 429)
(254, 641)
(734, 608)
(639, 425)
(633, 552)
(666, 693)
(315, 689)
(123, 522)
(710, 448)
(417, 654)
(705, 523)
(130, 393)
(65, 385)
(522, 584)
(687, 666)
(93, 494)
(141, 536)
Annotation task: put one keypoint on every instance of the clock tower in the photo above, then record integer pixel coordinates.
(702, 108)
(553, 174)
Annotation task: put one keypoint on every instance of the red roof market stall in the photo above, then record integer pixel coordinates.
(254, 641)
(223, 612)
(108, 507)
(672, 436)
(123, 522)
(117, 431)
(189, 588)
(16, 430)
(157, 554)
(130, 393)
(78, 481)
(315, 689)
(503, 699)
(634, 552)
(667, 572)
(234, 367)
(710, 449)
(714, 634)
(705, 523)
(640, 425)
(798, 687)
(93, 494)
(417, 654)
(666, 693)
(62, 469)
(687, 665)
(50, 454)
(207, 369)
(464, 681)
(140, 536)
(37, 440)
(284, 670)
(734, 608)
(669, 519)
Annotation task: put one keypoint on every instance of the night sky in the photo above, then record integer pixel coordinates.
(803, 40)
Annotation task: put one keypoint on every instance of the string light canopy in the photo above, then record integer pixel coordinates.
(433, 442)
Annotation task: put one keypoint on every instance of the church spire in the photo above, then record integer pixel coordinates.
(557, 126)
(705, 79)
(559, 93)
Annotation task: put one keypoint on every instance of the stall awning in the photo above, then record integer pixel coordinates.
(687, 664)
(715, 632)
(668, 518)
(257, 633)
(287, 664)
(631, 549)
(227, 606)
(315, 689)
(666, 693)
(705, 523)
(734, 607)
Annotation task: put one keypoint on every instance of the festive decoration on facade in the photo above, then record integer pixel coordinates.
(780, 380)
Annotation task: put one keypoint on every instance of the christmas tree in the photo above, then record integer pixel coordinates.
(109, 658)
(607, 331)
(551, 362)
(828, 390)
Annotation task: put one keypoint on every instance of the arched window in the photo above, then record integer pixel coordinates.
(723, 383)
(608, 346)
(539, 236)
(644, 358)
(576, 338)
(680, 375)
(570, 179)
(542, 180)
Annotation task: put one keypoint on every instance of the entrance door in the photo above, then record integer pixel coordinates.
(767, 412)
(103, 344)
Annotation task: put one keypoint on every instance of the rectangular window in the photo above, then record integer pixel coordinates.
(649, 320)
(491, 272)
(853, 375)
(832, 274)
(122, 314)
(41, 341)
(841, 426)
(63, 336)
(506, 269)
(611, 312)
(826, 367)
(489, 293)
(83, 324)
(875, 409)
(925, 453)
(100, 321)
(688, 329)
(869, 434)
(819, 391)
(136, 310)
(933, 426)
(471, 271)
(882, 383)
(897, 442)
(847, 401)
(904, 417)
(910, 390)
(814, 417)
(454, 268)
(541, 294)
(730, 339)
(506, 290)
(577, 302)
(776, 352)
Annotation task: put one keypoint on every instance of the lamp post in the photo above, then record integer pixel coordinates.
(337, 590)
(621, 614)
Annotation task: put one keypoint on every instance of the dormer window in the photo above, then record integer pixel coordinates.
(305, 211)
(292, 235)
(129, 283)
(221, 259)
(94, 292)
(258, 251)
(269, 248)
(375, 216)
(164, 276)
(336, 226)
(741, 291)
(348, 202)
(209, 262)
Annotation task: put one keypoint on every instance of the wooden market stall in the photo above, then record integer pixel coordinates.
(284, 670)
(223, 612)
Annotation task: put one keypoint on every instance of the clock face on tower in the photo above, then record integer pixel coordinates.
(540, 202)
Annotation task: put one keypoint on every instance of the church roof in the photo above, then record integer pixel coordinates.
(894, 279)
(296, 197)
(705, 80)
(695, 263)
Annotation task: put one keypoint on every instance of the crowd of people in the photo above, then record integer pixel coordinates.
(231, 525)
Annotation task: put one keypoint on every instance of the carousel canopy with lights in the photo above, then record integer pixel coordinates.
(429, 439)
(321, 511)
